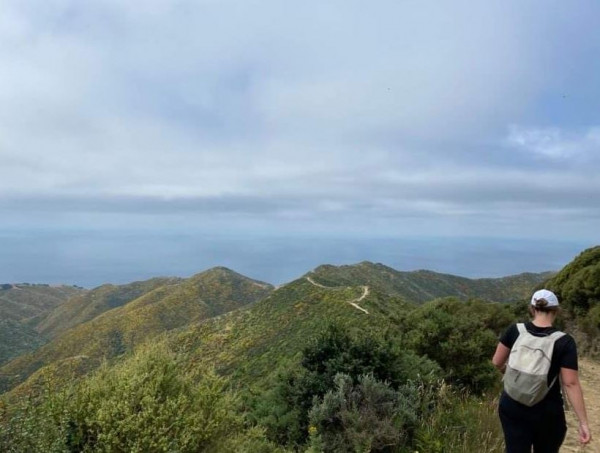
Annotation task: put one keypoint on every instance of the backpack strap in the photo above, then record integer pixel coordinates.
(555, 336)
(521, 328)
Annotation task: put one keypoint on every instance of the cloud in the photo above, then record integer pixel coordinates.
(310, 112)
(555, 143)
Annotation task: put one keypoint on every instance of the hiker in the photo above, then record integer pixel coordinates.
(536, 359)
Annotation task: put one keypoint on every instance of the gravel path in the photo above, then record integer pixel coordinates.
(589, 375)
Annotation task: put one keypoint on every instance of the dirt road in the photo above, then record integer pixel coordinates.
(589, 375)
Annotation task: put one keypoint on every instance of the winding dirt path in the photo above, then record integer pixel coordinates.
(353, 302)
(589, 375)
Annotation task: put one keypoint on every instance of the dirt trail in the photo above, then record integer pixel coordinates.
(353, 302)
(589, 375)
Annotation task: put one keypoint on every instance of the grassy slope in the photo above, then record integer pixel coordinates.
(21, 302)
(16, 339)
(250, 344)
(421, 286)
(20, 306)
(116, 331)
(87, 306)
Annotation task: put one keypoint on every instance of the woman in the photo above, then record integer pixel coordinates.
(542, 426)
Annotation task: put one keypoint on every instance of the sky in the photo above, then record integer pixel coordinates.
(166, 137)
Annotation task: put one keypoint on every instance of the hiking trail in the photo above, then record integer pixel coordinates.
(589, 375)
(353, 302)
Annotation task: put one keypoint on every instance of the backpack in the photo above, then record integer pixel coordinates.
(526, 375)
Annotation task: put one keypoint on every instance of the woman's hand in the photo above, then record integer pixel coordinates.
(584, 433)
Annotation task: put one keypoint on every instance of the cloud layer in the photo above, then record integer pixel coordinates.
(396, 117)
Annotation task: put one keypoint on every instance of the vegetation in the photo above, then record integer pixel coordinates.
(285, 410)
(20, 307)
(144, 404)
(422, 286)
(367, 416)
(23, 302)
(577, 286)
(316, 365)
(460, 337)
(86, 306)
(116, 331)
(16, 339)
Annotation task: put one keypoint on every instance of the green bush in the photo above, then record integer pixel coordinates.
(461, 337)
(284, 410)
(144, 404)
(367, 417)
(582, 291)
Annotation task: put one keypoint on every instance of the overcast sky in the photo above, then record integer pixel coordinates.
(323, 119)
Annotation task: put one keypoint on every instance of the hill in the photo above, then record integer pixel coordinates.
(23, 301)
(21, 305)
(422, 285)
(86, 306)
(247, 343)
(17, 339)
(178, 303)
(262, 347)
(577, 285)
(172, 305)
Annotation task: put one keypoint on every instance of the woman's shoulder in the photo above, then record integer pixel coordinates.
(567, 339)
(510, 335)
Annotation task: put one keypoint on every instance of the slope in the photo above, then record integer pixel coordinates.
(20, 307)
(116, 331)
(87, 306)
(16, 339)
(250, 344)
(421, 286)
(577, 285)
(23, 301)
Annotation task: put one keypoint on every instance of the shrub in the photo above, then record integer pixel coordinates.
(284, 410)
(460, 337)
(368, 416)
(144, 404)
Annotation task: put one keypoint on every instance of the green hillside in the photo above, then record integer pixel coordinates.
(23, 301)
(245, 344)
(178, 303)
(421, 286)
(21, 306)
(248, 343)
(577, 286)
(17, 339)
(263, 347)
(346, 358)
(87, 306)
(116, 331)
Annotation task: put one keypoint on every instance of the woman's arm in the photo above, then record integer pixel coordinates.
(500, 357)
(571, 384)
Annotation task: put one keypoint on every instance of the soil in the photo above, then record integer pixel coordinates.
(589, 375)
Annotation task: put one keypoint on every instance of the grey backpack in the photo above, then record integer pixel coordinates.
(526, 375)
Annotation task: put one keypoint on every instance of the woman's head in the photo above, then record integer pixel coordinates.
(543, 301)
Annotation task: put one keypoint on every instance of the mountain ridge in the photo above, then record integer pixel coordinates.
(422, 285)
(162, 308)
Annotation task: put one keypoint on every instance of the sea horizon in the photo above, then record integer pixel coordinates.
(92, 258)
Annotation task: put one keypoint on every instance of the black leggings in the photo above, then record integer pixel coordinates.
(542, 427)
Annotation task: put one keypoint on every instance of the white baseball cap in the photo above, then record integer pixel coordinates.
(549, 296)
